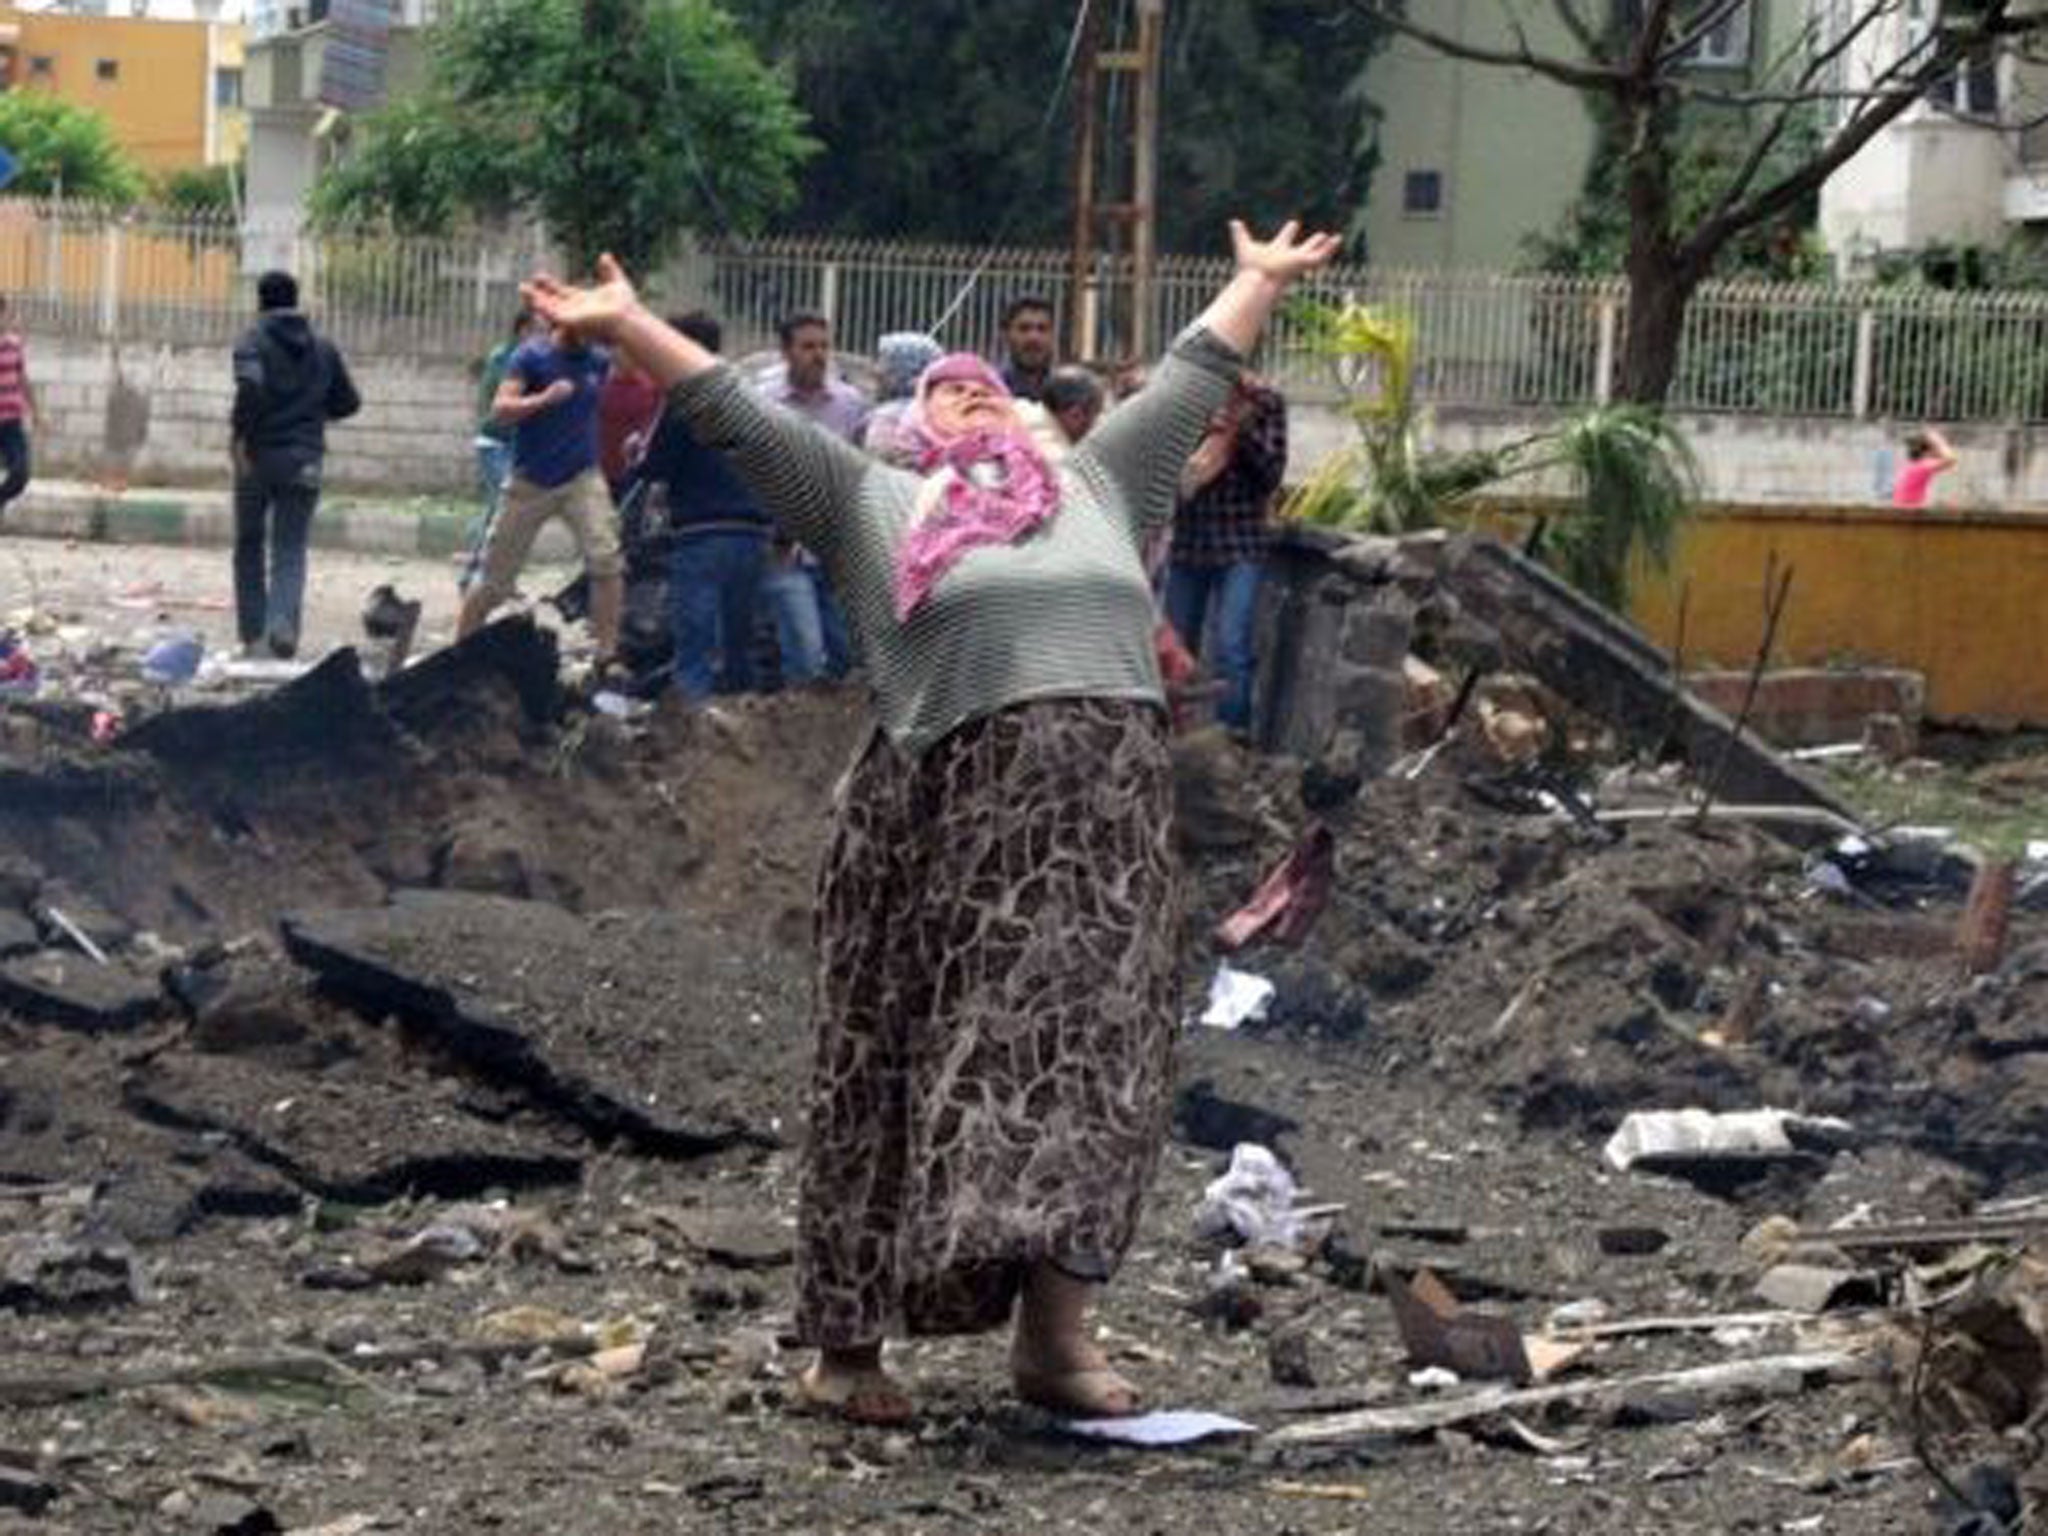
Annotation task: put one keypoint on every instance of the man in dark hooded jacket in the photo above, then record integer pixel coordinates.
(289, 383)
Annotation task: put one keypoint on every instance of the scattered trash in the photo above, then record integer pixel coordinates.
(1202, 1117)
(1164, 1427)
(392, 621)
(1289, 1360)
(1290, 898)
(618, 706)
(1349, 1493)
(71, 931)
(19, 674)
(1669, 1136)
(1812, 1289)
(1229, 1297)
(1690, 1393)
(1906, 867)
(1254, 1200)
(429, 1253)
(174, 659)
(43, 1272)
(1436, 1331)
(1987, 916)
(26, 1492)
(1237, 998)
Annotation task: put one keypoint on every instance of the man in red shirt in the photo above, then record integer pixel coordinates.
(628, 408)
(17, 409)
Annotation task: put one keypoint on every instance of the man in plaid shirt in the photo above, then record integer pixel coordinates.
(1220, 535)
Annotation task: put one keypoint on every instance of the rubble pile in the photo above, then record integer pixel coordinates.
(400, 1082)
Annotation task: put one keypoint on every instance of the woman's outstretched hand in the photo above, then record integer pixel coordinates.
(597, 311)
(1284, 257)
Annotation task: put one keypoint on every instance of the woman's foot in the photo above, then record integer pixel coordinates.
(851, 1385)
(1078, 1388)
(1054, 1363)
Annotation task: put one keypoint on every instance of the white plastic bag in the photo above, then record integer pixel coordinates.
(1254, 1199)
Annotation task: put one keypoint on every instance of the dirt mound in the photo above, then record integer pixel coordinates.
(461, 773)
(1574, 975)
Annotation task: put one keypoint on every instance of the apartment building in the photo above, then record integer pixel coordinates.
(1475, 158)
(1965, 165)
(170, 89)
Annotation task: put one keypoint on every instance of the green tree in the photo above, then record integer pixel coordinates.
(201, 190)
(1635, 476)
(941, 121)
(62, 148)
(621, 123)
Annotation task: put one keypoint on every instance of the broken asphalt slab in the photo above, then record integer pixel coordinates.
(75, 992)
(356, 1137)
(579, 1015)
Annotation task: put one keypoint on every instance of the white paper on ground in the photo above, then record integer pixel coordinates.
(1652, 1132)
(1175, 1426)
(1236, 997)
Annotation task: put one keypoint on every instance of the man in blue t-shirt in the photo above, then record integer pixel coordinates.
(549, 399)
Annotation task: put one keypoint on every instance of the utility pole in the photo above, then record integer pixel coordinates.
(1102, 170)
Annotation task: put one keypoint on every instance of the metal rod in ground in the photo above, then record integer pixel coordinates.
(1777, 590)
(1987, 917)
(1677, 670)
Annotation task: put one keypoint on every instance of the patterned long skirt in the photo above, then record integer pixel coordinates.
(996, 1017)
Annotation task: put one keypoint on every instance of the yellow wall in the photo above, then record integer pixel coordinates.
(158, 101)
(1959, 596)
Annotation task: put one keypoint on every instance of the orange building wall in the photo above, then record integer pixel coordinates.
(157, 101)
(1959, 596)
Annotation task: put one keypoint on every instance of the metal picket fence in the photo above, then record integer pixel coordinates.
(1484, 340)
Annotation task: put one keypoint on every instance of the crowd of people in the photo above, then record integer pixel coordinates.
(568, 430)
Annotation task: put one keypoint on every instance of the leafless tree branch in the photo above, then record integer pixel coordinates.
(1581, 30)
(1783, 119)
(1843, 146)
(1585, 77)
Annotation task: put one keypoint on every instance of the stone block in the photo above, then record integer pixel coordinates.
(1377, 632)
(1372, 701)
(1815, 706)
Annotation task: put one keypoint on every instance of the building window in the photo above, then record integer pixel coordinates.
(1972, 91)
(1724, 45)
(227, 87)
(42, 66)
(1422, 194)
(106, 69)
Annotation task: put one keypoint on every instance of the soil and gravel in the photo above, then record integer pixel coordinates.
(442, 1175)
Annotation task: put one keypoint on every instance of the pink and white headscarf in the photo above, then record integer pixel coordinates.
(991, 487)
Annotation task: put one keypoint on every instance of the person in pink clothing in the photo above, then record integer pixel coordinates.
(1927, 455)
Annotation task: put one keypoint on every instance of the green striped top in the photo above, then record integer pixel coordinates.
(1065, 611)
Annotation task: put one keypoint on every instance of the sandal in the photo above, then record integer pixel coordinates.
(873, 1401)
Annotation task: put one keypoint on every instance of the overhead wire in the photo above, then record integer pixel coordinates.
(728, 231)
(1045, 122)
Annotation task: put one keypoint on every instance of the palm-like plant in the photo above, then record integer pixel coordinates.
(1633, 473)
